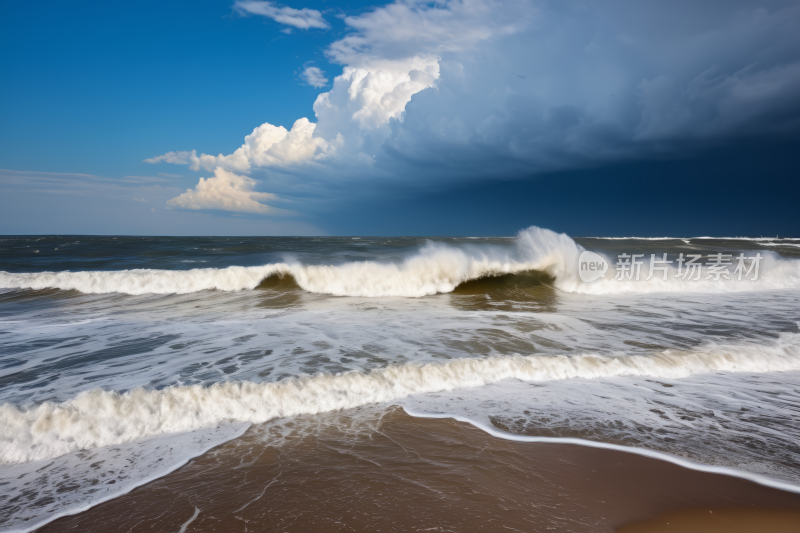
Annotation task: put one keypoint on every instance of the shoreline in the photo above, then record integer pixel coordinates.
(689, 464)
(337, 472)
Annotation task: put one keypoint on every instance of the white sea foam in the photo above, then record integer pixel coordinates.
(97, 475)
(639, 238)
(435, 268)
(755, 239)
(779, 244)
(683, 238)
(145, 281)
(101, 418)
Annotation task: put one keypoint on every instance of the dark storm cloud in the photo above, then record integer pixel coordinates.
(587, 84)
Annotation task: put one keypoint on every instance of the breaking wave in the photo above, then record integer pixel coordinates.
(435, 268)
(101, 418)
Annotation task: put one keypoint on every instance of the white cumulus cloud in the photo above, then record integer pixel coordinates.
(266, 146)
(227, 191)
(298, 18)
(314, 76)
(389, 58)
(352, 121)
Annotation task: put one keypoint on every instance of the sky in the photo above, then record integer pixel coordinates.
(469, 117)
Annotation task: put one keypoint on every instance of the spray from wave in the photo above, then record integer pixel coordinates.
(102, 418)
(435, 268)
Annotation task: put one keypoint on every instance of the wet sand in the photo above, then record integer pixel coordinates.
(393, 473)
(719, 521)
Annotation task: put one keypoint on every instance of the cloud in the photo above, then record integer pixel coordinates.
(144, 179)
(314, 76)
(460, 89)
(176, 158)
(267, 145)
(616, 81)
(376, 84)
(298, 18)
(227, 191)
(352, 121)
(714, 103)
(34, 202)
(403, 30)
(83, 184)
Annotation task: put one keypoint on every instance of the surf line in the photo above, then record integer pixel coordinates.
(680, 461)
(39, 522)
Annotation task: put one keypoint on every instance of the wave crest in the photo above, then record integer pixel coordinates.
(435, 268)
(102, 418)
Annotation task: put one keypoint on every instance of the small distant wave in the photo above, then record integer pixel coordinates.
(685, 239)
(738, 238)
(780, 244)
(639, 238)
(435, 268)
(102, 418)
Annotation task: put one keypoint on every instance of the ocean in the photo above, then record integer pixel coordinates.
(333, 383)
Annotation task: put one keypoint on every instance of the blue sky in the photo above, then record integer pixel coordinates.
(156, 74)
(463, 117)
